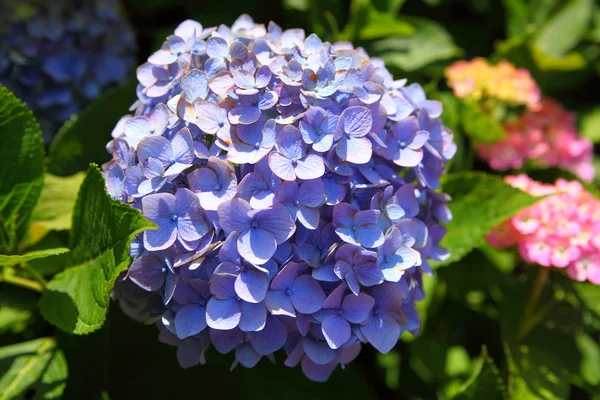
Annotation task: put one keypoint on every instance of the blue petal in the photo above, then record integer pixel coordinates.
(190, 320)
(271, 338)
(336, 331)
(223, 314)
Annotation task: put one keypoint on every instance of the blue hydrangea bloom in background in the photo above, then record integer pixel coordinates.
(293, 183)
(58, 55)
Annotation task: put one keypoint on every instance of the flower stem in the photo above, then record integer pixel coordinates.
(22, 282)
(531, 316)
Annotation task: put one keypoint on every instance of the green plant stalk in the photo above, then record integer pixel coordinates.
(22, 282)
(531, 316)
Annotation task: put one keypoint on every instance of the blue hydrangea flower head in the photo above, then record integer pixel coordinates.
(59, 55)
(293, 183)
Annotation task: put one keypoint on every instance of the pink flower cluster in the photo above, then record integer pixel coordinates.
(562, 230)
(548, 136)
(478, 79)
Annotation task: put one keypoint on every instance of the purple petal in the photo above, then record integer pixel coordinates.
(257, 245)
(309, 217)
(285, 278)
(318, 351)
(310, 167)
(233, 215)
(307, 295)
(277, 221)
(343, 215)
(225, 341)
(208, 116)
(316, 372)
(354, 150)
(222, 285)
(189, 354)
(223, 314)
(254, 316)
(217, 47)
(408, 157)
(222, 83)
(370, 236)
(336, 331)
(279, 303)
(271, 338)
(190, 320)
(282, 166)
(382, 332)
(251, 285)
(148, 272)
(244, 115)
(356, 308)
(247, 356)
(290, 143)
(356, 121)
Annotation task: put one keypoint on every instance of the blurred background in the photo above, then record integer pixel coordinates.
(417, 39)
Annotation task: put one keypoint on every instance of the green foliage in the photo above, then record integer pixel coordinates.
(589, 124)
(22, 150)
(429, 43)
(83, 138)
(17, 309)
(535, 374)
(55, 208)
(550, 72)
(37, 364)
(478, 124)
(480, 202)
(13, 260)
(77, 299)
(485, 383)
(565, 28)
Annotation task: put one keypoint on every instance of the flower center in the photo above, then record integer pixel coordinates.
(288, 292)
(218, 186)
(403, 144)
(174, 217)
(296, 203)
(254, 224)
(257, 145)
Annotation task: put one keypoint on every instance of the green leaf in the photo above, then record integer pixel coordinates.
(389, 6)
(54, 380)
(21, 168)
(77, 299)
(517, 16)
(55, 208)
(535, 374)
(589, 124)
(84, 137)
(24, 363)
(17, 309)
(430, 43)
(590, 363)
(479, 202)
(566, 28)
(13, 260)
(478, 124)
(485, 383)
(381, 25)
(550, 72)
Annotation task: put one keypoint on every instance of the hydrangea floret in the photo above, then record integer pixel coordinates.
(562, 230)
(293, 183)
(480, 80)
(58, 55)
(548, 137)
